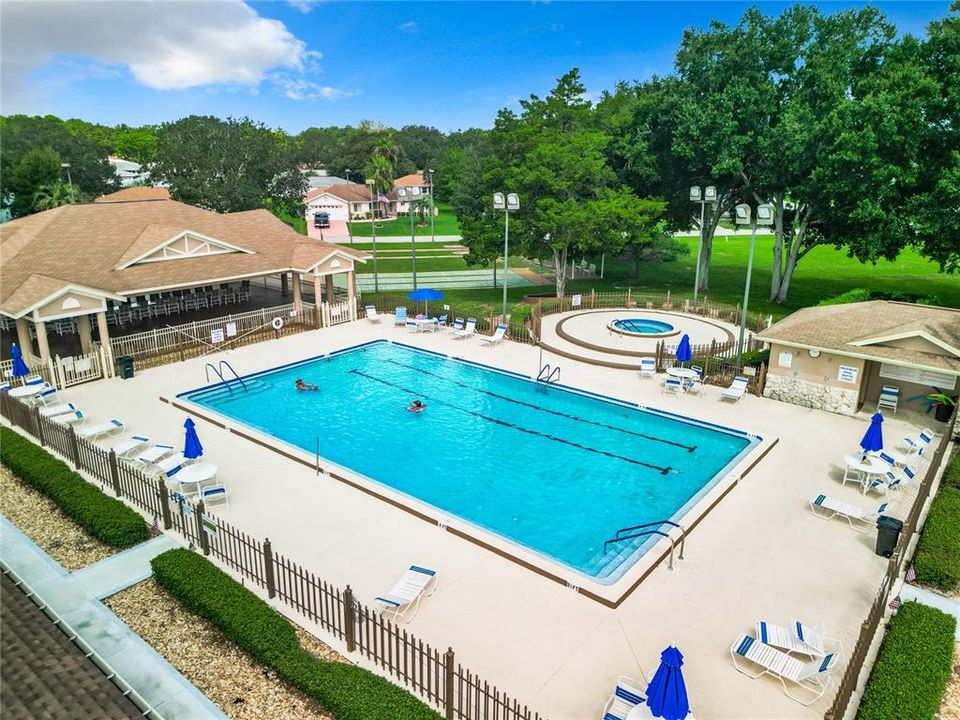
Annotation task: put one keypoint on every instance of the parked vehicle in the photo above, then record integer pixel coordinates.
(321, 220)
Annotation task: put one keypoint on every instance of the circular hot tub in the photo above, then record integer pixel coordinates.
(639, 326)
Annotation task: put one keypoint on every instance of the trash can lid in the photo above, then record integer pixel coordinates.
(889, 522)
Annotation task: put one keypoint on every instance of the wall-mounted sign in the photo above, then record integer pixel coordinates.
(576, 301)
(785, 359)
(920, 376)
(208, 524)
(231, 329)
(216, 335)
(848, 374)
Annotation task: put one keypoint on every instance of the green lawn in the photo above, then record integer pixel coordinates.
(444, 224)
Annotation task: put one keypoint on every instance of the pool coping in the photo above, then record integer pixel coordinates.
(609, 595)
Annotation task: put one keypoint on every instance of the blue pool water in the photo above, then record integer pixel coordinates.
(643, 326)
(555, 471)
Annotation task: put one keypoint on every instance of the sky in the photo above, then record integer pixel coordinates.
(299, 63)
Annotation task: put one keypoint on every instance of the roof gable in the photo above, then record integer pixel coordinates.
(185, 244)
(897, 338)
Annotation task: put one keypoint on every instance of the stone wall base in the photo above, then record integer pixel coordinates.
(811, 395)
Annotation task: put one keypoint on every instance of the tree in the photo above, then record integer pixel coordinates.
(56, 194)
(423, 146)
(228, 165)
(38, 168)
(137, 144)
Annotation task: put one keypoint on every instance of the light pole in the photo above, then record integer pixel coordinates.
(410, 195)
(67, 166)
(507, 203)
(708, 195)
(374, 202)
(346, 172)
(433, 203)
(764, 217)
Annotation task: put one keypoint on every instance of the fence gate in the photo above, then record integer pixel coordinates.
(76, 369)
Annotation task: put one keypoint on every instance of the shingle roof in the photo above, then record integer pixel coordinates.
(353, 192)
(410, 180)
(135, 194)
(84, 244)
(862, 330)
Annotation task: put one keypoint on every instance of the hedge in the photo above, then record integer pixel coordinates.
(937, 562)
(347, 691)
(862, 295)
(951, 476)
(913, 667)
(105, 518)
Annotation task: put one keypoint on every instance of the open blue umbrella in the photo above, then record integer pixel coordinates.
(684, 353)
(873, 438)
(667, 693)
(191, 443)
(426, 294)
(20, 368)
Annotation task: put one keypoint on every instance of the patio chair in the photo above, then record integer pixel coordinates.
(214, 495)
(648, 367)
(919, 443)
(100, 430)
(130, 445)
(695, 386)
(626, 696)
(61, 409)
(404, 597)
(76, 417)
(697, 369)
(411, 325)
(457, 326)
(469, 330)
(497, 336)
(442, 320)
(826, 507)
(811, 677)
(883, 484)
(797, 638)
(889, 397)
(672, 386)
(400, 316)
(737, 389)
(372, 314)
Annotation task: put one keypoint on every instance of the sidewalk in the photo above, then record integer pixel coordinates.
(934, 600)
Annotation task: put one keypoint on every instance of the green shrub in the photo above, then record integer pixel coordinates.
(347, 691)
(756, 357)
(105, 518)
(937, 561)
(862, 295)
(951, 476)
(850, 296)
(912, 669)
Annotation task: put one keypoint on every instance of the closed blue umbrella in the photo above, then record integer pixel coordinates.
(873, 438)
(667, 693)
(426, 294)
(684, 353)
(191, 443)
(20, 368)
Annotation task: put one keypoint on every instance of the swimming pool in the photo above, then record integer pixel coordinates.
(555, 471)
(641, 326)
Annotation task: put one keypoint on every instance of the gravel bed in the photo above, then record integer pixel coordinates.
(242, 688)
(40, 520)
(950, 707)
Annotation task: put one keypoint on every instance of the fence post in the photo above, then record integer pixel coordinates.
(164, 500)
(628, 297)
(36, 422)
(201, 533)
(349, 611)
(268, 569)
(761, 379)
(448, 683)
(75, 447)
(115, 473)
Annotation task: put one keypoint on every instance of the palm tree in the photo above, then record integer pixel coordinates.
(56, 194)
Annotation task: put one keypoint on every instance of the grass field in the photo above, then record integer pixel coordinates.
(444, 224)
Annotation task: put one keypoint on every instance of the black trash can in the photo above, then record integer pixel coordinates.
(125, 362)
(888, 533)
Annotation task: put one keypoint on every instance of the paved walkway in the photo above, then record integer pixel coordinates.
(75, 598)
(934, 600)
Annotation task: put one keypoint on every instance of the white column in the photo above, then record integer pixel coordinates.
(103, 328)
(352, 293)
(23, 337)
(86, 336)
(318, 299)
(42, 343)
(329, 284)
(297, 297)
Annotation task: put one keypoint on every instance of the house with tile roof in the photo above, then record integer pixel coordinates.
(348, 202)
(839, 357)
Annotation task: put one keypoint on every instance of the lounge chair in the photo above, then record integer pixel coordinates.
(797, 638)
(99, 430)
(400, 316)
(372, 314)
(5, 386)
(45, 396)
(827, 507)
(77, 417)
(404, 597)
(60, 409)
(469, 330)
(810, 677)
(154, 453)
(626, 696)
(457, 326)
(737, 389)
(497, 336)
(171, 464)
(889, 398)
(130, 445)
(672, 386)
(648, 367)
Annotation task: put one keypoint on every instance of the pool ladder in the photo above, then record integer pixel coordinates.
(219, 372)
(651, 528)
(548, 374)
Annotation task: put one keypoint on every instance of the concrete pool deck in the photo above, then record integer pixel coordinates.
(760, 553)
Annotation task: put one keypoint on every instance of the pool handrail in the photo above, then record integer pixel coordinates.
(218, 371)
(619, 538)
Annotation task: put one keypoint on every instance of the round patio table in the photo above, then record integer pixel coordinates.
(194, 475)
(683, 373)
(26, 390)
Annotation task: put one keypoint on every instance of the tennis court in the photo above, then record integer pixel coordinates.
(442, 279)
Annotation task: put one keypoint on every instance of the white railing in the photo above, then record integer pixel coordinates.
(73, 370)
(34, 363)
(338, 313)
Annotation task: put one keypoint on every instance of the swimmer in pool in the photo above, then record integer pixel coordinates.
(416, 406)
(301, 385)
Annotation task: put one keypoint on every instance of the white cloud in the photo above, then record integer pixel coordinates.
(304, 6)
(297, 88)
(409, 26)
(164, 45)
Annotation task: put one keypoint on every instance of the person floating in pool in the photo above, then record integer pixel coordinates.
(416, 406)
(301, 385)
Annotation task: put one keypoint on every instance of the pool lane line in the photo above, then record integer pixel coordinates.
(658, 468)
(688, 448)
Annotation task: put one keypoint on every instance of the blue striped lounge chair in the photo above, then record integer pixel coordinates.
(403, 600)
(497, 336)
(626, 696)
(467, 331)
(154, 453)
(100, 430)
(53, 410)
(920, 442)
(737, 389)
(810, 678)
(795, 638)
(400, 316)
(130, 445)
(827, 507)
(372, 315)
(77, 417)
(457, 326)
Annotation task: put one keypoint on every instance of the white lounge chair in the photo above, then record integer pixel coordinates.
(47, 395)
(99, 430)
(130, 445)
(457, 326)
(469, 330)
(672, 386)
(737, 389)
(626, 696)
(827, 507)
(400, 316)
(154, 453)
(60, 409)
(76, 417)
(889, 398)
(811, 677)
(404, 597)
(171, 464)
(797, 638)
(648, 367)
(497, 336)
(5, 386)
(372, 313)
